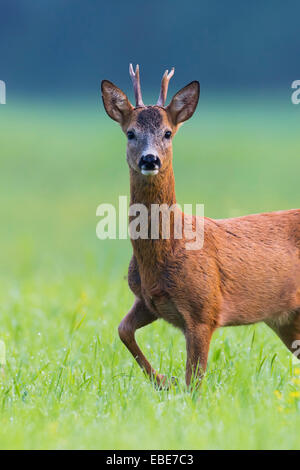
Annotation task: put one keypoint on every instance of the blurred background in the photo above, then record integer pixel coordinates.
(66, 46)
(61, 156)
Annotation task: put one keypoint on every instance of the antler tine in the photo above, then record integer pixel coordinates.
(135, 77)
(164, 87)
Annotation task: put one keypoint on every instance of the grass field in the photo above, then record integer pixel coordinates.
(69, 382)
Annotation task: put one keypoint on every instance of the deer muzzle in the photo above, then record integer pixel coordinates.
(149, 165)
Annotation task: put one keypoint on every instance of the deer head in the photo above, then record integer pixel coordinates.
(149, 129)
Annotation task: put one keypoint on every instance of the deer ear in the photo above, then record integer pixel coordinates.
(184, 103)
(116, 103)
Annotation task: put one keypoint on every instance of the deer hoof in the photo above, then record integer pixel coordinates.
(163, 383)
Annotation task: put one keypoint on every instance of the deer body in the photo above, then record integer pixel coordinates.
(247, 271)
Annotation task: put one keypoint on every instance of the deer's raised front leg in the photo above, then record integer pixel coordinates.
(198, 338)
(137, 317)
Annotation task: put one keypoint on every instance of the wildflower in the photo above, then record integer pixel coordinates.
(278, 394)
(295, 394)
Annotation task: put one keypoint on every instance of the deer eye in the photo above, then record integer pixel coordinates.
(168, 134)
(130, 135)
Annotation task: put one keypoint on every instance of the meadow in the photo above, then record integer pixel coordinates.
(69, 382)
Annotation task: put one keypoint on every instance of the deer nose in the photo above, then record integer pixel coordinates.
(149, 164)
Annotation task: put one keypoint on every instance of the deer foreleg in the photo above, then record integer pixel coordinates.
(137, 317)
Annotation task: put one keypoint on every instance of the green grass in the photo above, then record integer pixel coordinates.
(69, 382)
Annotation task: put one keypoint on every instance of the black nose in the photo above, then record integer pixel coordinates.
(149, 162)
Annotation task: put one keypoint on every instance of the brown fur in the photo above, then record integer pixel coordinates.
(248, 270)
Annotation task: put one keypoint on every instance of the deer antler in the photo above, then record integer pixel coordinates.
(135, 77)
(164, 87)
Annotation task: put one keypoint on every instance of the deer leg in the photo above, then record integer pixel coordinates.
(197, 345)
(289, 333)
(137, 317)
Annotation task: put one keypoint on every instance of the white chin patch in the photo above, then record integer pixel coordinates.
(149, 172)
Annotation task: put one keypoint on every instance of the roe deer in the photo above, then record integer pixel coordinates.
(248, 269)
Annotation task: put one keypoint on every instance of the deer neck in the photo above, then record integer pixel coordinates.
(159, 189)
(147, 191)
